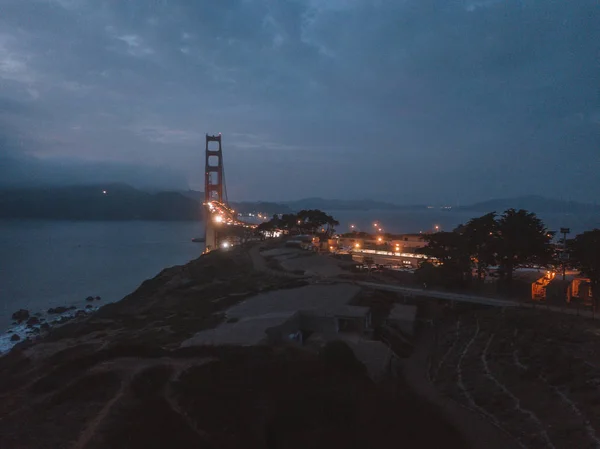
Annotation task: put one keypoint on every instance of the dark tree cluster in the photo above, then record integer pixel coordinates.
(584, 254)
(511, 240)
(311, 221)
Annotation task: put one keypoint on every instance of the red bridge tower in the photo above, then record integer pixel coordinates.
(214, 183)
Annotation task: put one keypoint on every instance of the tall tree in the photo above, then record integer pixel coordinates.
(585, 255)
(451, 250)
(481, 237)
(522, 238)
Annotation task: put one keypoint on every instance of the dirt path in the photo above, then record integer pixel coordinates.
(477, 430)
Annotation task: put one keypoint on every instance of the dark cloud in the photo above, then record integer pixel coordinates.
(424, 100)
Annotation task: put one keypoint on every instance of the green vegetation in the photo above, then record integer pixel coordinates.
(305, 221)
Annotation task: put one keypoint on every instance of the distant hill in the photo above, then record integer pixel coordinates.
(97, 202)
(329, 205)
(533, 203)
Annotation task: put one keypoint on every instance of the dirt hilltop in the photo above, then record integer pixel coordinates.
(119, 379)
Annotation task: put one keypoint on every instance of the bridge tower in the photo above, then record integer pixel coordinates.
(214, 183)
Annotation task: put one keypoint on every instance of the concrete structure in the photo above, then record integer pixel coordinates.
(402, 317)
(574, 289)
(248, 321)
(309, 316)
(213, 187)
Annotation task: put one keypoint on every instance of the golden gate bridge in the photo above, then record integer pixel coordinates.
(223, 228)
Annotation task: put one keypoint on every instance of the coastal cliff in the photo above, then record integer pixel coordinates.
(119, 378)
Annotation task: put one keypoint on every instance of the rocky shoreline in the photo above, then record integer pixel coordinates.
(29, 327)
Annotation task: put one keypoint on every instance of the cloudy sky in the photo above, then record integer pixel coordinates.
(405, 100)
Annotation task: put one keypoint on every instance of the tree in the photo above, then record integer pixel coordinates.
(481, 237)
(331, 223)
(585, 255)
(304, 221)
(451, 250)
(522, 238)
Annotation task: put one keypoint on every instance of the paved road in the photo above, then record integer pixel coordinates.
(442, 295)
(461, 297)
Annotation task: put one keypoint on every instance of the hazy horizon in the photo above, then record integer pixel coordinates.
(415, 102)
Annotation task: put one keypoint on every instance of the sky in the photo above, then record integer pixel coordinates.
(410, 101)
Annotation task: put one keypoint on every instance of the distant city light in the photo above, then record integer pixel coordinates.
(225, 244)
(379, 239)
(104, 192)
(375, 225)
(219, 218)
(356, 245)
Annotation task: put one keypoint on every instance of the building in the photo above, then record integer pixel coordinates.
(326, 323)
(403, 243)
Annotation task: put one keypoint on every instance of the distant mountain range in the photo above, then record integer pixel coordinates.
(533, 203)
(326, 204)
(97, 202)
(123, 202)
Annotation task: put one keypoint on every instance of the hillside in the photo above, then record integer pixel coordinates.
(96, 202)
(119, 379)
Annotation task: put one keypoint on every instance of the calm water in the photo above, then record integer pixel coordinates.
(51, 263)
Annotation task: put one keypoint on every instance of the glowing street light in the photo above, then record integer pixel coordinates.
(225, 245)
(356, 245)
(379, 239)
(219, 218)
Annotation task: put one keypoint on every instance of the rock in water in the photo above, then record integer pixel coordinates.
(33, 320)
(89, 306)
(15, 337)
(20, 315)
(89, 298)
(54, 310)
(98, 298)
